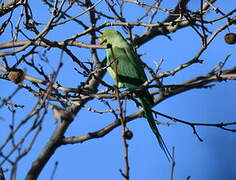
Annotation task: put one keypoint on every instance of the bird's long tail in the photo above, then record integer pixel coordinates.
(148, 113)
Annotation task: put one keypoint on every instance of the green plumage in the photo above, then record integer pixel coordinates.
(121, 58)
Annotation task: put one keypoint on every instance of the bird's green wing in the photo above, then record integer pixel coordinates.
(130, 71)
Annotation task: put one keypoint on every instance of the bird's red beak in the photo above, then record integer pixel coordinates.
(100, 42)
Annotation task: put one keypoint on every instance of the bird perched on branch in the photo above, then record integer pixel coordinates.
(126, 68)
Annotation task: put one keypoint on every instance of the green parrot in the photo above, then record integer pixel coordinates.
(126, 68)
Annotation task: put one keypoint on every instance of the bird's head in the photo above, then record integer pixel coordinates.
(109, 37)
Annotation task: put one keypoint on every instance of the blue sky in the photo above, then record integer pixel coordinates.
(102, 158)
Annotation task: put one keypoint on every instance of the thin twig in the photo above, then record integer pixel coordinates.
(122, 118)
(172, 164)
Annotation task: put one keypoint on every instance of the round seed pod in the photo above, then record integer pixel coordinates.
(128, 134)
(16, 75)
(230, 38)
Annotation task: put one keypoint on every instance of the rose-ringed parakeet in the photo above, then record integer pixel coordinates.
(126, 68)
